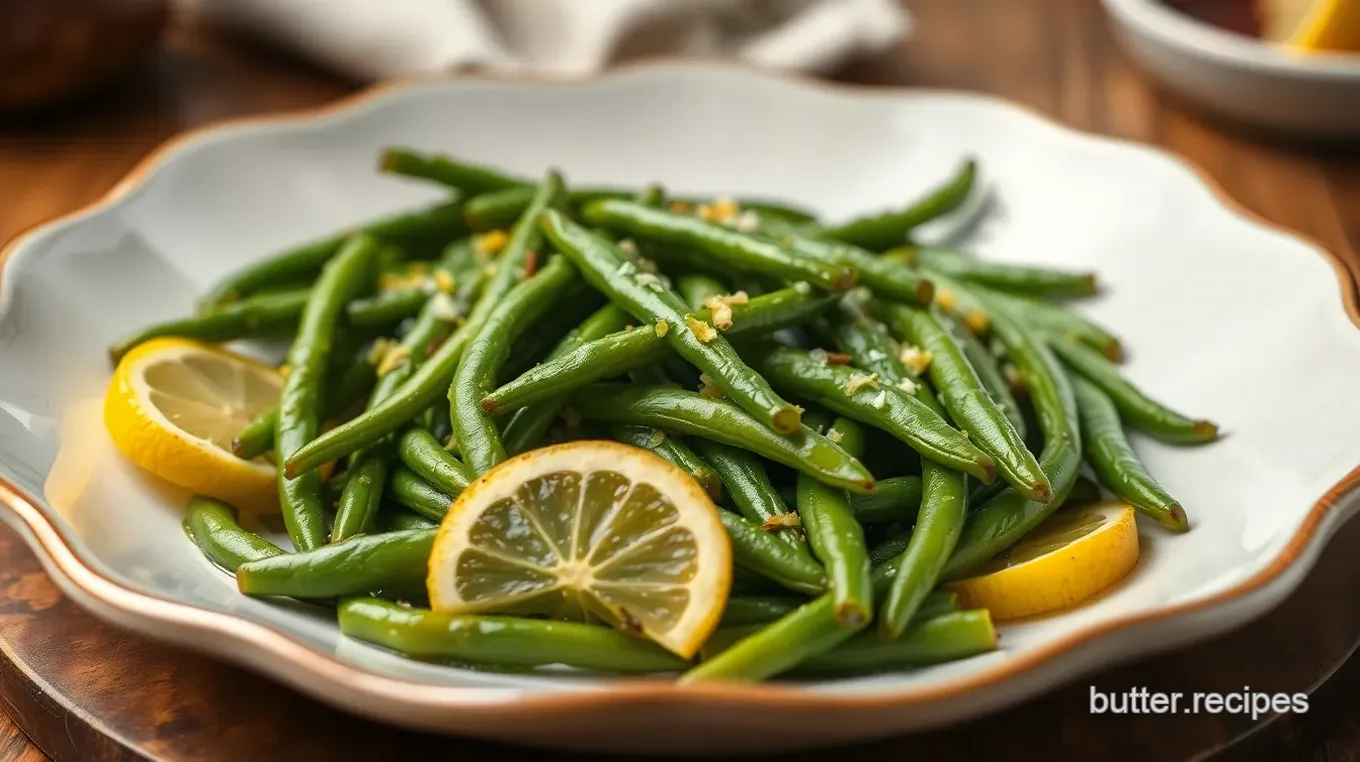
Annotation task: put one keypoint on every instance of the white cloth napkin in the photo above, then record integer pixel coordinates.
(377, 39)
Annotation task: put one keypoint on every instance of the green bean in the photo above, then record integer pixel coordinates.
(696, 288)
(890, 278)
(443, 220)
(528, 424)
(946, 637)
(886, 229)
(1140, 410)
(860, 396)
(1042, 282)
(469, 179)
(211, 524)
(837, 540)
(756, 550)
(501, 641)
(894, 500)
(362, 565)
(674, 450)
(257, 316)
(402, 520)
(741, 611)
(500, 209)
(606, 268)
(721, 246)
(1115, 463)
(431, 379)
(810, 630)
(299, 414)
(614, 354)
(1004, 519)
(346, 383)
(692, 413)
(890, 549)
(421, 452)
(497, 209)
(993, 380)
(479, 441)
(967, 401)
(386, 308)
(749, 488)
(1058, 322)
(1084, 491)
(362, 496)
(410, 490)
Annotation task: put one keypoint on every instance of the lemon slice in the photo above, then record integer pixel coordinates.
(1312, 24)
(587, 530)
(173, 407)
(1070, 557)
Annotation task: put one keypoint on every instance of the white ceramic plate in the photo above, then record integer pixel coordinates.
(1247, 80)
(1223, 317)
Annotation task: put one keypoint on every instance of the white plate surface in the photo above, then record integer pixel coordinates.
(1223, 317)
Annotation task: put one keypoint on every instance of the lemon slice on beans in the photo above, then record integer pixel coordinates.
(1073, 555)
(173, 407)
(587, 530)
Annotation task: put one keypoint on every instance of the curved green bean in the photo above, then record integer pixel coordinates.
(692, 413)
(993, 380)
(857, 395)
(618, 353)
(299, 417)
(402, 520)
(419, 451)
(837, 540)
(479, 440)
(501, 641)
(1116, 465)
(721, 246)
(431, 379)
(441, 221)
(961, 391)
(778, 647)
(894, 500)
(1042, 282)
(749, 488)
(408, 489)
(211, 524)
(943, 638)
(758, 551)
(363, 493)
(470, 179)
(606, 268)
(889, 278)
(674, 450)
(886, 229)
(1143, 412)
(1058, 322)
(394, 562)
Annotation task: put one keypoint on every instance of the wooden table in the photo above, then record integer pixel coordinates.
(84, 691)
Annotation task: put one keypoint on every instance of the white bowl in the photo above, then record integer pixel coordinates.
(1224, 317)
(1247, 80)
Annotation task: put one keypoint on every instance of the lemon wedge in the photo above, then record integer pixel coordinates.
(173, 407)
(1311, 25)
(1073, 555)
(587, 530)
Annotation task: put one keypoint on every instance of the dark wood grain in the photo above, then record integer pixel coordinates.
(84, 691)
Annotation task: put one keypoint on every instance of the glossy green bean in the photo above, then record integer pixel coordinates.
(618, 353)
(1042, 282)
(692, 413)
(1058, 322)
(857, 395)
(606, 268)
(479, 440)
(778, 647)
(891, 228)
(1139, 410)
(1004, 519)
(993, 380)
(439, 222)
(673, 449)
(837, 540)
(386, 308)
(468, 178)
(749, 488)
(501, 641)
(696, 288)
(894, 500)
(211, 524)
(943, 638)
(419, 451)
(748, 610)
(401, 520)
(529, 423)
(409, 489)
(257, 316)
(394, 563)
(889, 278)
(963, 395)
(299, 416)
(431, 379)
(720, 246)
(363, 493)
(500, 209)
(758, 551)
(1115, 463)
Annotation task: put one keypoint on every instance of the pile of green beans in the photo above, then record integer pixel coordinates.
(551, 313)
